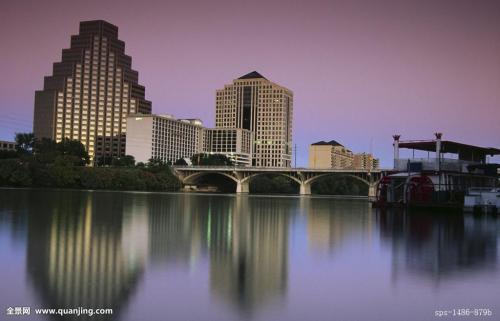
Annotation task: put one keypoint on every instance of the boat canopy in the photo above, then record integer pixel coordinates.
(464, 151)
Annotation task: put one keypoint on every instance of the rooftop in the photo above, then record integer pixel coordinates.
(448, 147)
(252, 75)
(330, 143)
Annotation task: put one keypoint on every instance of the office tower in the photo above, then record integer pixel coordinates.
(163, 137)
(235, 143)
(254, 103)
(90, 93)
(330, 154)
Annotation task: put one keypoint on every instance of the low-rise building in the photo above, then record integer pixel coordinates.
(163, 137)
(235, 143)
(330, 154)
(7, 146)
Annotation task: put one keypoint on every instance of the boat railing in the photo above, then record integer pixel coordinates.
(432, 164)
(480, 190)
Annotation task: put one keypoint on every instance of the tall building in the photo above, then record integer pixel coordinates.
(254, 103)
(235, 143)
(329, 155)
(91, 92)
(365, 161)
(163, 137)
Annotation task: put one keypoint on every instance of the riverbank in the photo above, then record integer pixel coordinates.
(32, 173)
(179, 192)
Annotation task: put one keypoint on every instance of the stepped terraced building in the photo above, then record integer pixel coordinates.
(90, 93)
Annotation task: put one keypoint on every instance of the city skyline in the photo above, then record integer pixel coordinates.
(360, 74)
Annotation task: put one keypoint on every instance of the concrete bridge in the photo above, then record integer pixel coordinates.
(305, 177)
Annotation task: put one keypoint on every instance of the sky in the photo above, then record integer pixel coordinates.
(360, 71)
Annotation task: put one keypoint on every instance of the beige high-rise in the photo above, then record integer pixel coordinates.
(254, 103)
(91, 92)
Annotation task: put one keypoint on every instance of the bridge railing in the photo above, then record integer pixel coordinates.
(270, 169)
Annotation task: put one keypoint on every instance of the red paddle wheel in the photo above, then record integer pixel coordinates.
(419, 189)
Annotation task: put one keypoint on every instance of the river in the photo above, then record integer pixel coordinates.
(182, 256)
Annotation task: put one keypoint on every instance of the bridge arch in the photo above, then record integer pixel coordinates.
(250, 177)
(193, 178)
(245, 180)
(371, 184)
(317, 177)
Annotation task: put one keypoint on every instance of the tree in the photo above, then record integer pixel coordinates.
(273, 184)
(25, 142)
(343, 185)
(156, 165)
(156, 162)
(45, 150)
(181, 162)
(7, 154)
(125, 161)
(71, 147)
(204, 159)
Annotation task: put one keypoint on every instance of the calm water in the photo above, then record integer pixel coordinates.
(224, 257)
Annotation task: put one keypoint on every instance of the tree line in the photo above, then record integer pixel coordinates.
(46, 163)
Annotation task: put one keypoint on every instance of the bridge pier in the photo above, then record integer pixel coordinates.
(372, 191)
(242, 187)
(305, 188)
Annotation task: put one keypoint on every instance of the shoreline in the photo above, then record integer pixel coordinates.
(55, 189)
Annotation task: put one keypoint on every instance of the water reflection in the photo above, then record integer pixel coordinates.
(100, 249)
(85, 250)
(247, 243)
(439, 245)
(331, 222)
(249, 251)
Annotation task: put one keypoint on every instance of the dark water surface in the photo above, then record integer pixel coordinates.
(223, 257)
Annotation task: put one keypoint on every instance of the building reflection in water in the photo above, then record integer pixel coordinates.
(332, 221)
(177, 228)
(438, 245)
(86, 250)
(246, 242)
(249, 251)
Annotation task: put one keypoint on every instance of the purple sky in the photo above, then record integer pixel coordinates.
(360, 70)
